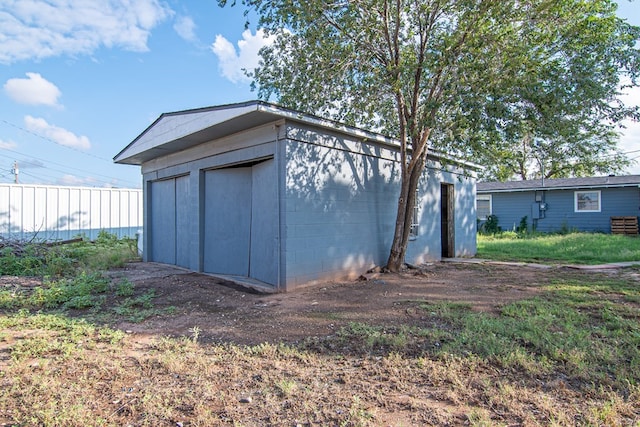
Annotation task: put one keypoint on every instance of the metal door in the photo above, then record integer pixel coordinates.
(264, 220)
(163, 220)
(227, 221)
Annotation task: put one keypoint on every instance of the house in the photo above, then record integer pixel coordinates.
(584, 204)
(281, 198)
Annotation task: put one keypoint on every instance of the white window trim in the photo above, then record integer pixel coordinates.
(488, 197)
(575, 201)
(414, 229)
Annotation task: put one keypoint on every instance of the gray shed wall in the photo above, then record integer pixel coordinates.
(340, 207)
(288, 204)
(560, 214)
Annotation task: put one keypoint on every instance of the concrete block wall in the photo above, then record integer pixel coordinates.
(340, 208)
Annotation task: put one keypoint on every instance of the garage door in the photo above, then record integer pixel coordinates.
(240, 221)
(169, 227)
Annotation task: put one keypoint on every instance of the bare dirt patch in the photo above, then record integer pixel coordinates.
(224, 312)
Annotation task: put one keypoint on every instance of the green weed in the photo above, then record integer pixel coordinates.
(125, 288)
(137, 309)
(40, 259)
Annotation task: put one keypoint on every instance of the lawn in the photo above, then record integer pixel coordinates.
(566, 353)
(572, 248)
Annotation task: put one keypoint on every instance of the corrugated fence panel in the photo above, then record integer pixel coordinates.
(40, 209)
(57, 213)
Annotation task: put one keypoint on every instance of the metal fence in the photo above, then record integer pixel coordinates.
(49, 213)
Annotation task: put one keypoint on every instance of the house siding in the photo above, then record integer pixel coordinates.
(510, 207)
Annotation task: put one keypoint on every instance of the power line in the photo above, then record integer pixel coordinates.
(111, 178)
(91, 173)
(52, 141)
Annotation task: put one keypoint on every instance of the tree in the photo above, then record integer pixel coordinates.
(446, 74)
(562, 122)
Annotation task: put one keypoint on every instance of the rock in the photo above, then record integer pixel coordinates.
(376, 269)
(245, 399)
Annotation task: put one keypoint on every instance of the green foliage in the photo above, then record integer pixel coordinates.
(40, 259)
(76, 292)
(136, 309)
(29, 262)
(574, 248)
(65, 338)
(73, 277)
(125, 288)
(490, 225)
(523, 227)
(106, 238)
(373, 337)
(508, 84)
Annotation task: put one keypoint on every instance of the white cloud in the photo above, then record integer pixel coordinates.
(232, 63)
(72, 180)
(34, 90)
(56, 134)
(88, 181)
(8, 145)
(35, 29)
(185, 27)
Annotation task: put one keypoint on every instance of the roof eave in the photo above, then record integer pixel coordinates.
(575, 187)
(267, 112)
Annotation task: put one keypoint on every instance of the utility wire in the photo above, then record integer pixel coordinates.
(51, 140)
(111, 178)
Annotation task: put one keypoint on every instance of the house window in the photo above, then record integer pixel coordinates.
(587, 201)
(415, 221)
(483, 206)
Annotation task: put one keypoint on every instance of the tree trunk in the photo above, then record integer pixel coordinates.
(406, 203)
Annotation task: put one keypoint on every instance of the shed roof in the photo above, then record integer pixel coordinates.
(559, 184)
(180, 130)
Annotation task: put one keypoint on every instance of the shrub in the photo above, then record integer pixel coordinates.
(490, 226)
(523, 227)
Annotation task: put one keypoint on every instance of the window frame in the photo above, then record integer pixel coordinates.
(414, 228)
(485, 197)
(576, 201)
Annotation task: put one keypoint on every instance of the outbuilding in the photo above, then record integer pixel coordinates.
(593, 204)
(280, 199)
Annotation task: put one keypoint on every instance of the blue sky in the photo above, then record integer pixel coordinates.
(80, 79)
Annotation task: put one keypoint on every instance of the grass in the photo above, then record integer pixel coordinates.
(39, 259)
(73, 280)
(567, 356)
(589, 333)
(573, 248)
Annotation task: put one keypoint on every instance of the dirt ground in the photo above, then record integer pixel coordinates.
(224, 312)
(148, 381)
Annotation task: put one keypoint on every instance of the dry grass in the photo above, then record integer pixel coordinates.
(62, 372)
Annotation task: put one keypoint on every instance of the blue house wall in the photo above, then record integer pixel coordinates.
(511, 207)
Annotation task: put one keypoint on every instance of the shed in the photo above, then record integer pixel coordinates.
(265, 194)
(593, 204)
